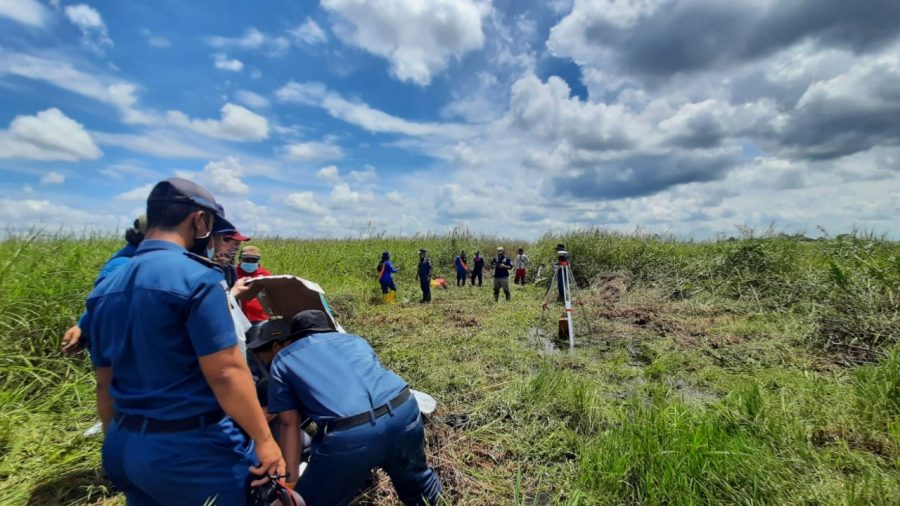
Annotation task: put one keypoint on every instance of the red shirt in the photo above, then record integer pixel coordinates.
(252, 308)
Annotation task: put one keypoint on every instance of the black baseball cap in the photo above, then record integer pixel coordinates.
(176, 189)
(270, 332)
(304, 323)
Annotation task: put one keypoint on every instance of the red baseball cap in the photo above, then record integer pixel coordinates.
(237, 236)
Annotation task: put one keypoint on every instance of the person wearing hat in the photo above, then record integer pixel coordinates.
(366, 416)
(226, 240)
(424, 275)
(172, 385)
(386, 271)
(72, 340)
(501, 265)
(477, 268)
(250, 267)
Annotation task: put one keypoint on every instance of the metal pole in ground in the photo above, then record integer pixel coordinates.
(567, 297)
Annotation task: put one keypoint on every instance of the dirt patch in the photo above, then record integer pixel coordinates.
(462, 320)
(445, 446)
(825, 436)
(610, 287)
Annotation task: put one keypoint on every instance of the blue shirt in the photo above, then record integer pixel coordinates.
(497, 262)
(119, 259)
(460, 265)
(389, 270)
(328, 376)
(150, 321)
(424, 273)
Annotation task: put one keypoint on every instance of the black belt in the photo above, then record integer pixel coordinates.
(353, 421)
(137, 423)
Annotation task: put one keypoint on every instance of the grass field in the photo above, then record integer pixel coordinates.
(760, 370)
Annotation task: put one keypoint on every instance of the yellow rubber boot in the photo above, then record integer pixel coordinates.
(385, 297)
(392, 296)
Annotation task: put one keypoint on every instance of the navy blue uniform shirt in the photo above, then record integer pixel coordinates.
(328, 376)
(424, 273)
(150, 321)
(497, 262)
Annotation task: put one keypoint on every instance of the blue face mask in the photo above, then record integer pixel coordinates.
(210, 253)
(248, 267)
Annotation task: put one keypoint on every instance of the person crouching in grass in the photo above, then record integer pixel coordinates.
(365, 414)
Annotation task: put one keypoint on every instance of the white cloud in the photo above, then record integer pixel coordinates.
(138, 194)
(418, 37)
(304, 202)
(366, 176)
(154, 142)
(237, 124)
(93, 29)
(309, 32)
(48, 135)
(329, 173)
(221, 176)
(223, 63)
(360, 114)
(61, 73)
(25, 213)
(27, 12)
(251, 39)
(251, 99)
(396, 198)
(314, 151)
(53, 177)
(343, 194)
(158, 41)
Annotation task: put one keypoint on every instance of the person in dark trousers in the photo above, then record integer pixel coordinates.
(424, 274)
(560, 287)
(477, 268)
(386, 271)
(501, 265)
(365, 414)
(172, 383)
(72, 340)
(461, 269)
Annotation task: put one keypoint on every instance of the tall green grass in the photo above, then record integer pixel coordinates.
(787, 415)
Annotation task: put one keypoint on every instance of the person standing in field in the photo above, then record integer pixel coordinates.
(386, 272)
(461, 269)
(522, 262)
(72, 340)
(248, 268)
(424, 274)
(477, 268)
(172, 384)
(501, 265)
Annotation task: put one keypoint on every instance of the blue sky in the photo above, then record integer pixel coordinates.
(346, 117)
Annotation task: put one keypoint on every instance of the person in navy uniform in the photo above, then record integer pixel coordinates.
(72, 340)
(424, 275)
(365, 414)
(501, 265)
(172, 385)
(477, 268)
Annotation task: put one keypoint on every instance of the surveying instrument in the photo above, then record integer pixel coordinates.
(564, 281)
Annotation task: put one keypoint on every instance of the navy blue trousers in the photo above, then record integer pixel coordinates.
(387, 286)
(342, 460)
(181, 469)
(426, 290)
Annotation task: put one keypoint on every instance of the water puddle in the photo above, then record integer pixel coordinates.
(544, 341)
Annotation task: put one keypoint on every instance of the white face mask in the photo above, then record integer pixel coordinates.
(210, 253)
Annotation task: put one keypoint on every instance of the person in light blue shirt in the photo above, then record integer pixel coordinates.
(365, 414)
(172, 384)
